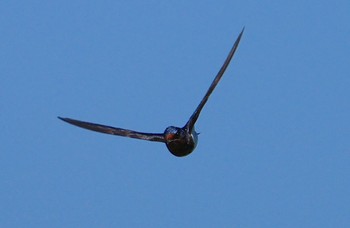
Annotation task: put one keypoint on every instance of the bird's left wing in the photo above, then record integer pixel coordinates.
(190, 123)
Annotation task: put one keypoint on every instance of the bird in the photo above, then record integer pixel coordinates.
(180, 141)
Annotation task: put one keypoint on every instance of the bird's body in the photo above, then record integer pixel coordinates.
(179, 141)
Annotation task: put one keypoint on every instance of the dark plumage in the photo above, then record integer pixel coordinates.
(179, 141)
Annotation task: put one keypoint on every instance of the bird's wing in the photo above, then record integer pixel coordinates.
(115, 131)
(190, 123)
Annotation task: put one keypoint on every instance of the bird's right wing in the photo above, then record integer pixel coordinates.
(115, 131)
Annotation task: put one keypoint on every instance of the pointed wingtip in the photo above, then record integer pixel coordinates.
(235, 45)
(64, 119)
(241, 33)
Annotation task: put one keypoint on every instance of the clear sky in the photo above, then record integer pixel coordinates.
(274, 148)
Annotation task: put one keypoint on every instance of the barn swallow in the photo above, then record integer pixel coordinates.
(180, 141)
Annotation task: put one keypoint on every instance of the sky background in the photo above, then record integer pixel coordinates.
(274, 148)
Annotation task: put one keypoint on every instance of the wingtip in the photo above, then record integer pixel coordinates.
(238, 38)
(63, 119)
(241, 33)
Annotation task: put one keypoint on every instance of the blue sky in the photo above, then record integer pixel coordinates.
(274, 148)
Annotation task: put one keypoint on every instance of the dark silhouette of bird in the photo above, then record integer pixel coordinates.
(180, 141)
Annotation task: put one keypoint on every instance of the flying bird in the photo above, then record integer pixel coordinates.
(180, 141)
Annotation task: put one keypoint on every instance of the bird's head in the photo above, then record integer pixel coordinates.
(180, 142)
